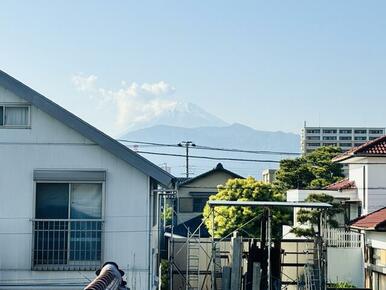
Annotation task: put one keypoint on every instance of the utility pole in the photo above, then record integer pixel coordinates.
(187, 145)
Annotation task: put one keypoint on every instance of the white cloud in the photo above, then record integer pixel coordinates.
(133, 102)
(84, 83)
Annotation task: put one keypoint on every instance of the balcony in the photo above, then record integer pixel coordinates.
(63, 244)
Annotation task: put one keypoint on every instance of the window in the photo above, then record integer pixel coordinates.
(313, 137)
(360, 138)
(344, 137)
(360, 131)
(373, 138)
(67, 226)
(192, 204)
(329, 144)
(358, 144)
(345, 144)
(313, 131)
(329, 131)
(313, 144)
(14, 116)
(199, 203)
(329, 137)
(375, 131)
(185, 204)
(345, 131)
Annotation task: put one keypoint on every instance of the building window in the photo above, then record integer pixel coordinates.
(313, 137)
(67, 227)
(360, 138)
(192, 204)
(199, 203)
(14, 116)
(373, 138)
(358, 144)
(329, 131)
(358, 131)
(344, 131)
(376, 132)
(313, 144)
(345, 144)
(329, 137)
(344, 137)
(329, 144)
(313, 131)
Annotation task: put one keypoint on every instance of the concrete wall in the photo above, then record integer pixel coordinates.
(49, 144)
(345, 264)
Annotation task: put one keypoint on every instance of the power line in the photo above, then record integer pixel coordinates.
(203, 147)
(210, 158)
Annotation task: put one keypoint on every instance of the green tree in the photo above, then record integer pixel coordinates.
(310, 218)
(229, 218)
(313, 170)
(167, 215)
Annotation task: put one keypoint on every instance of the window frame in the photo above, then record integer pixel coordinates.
(13, 105)
(69, 266)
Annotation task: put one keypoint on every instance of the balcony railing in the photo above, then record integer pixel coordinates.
(63, 244)
(341, 238)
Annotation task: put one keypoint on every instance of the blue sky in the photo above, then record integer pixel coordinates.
(267, 64)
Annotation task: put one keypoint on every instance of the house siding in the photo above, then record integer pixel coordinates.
(49, 144)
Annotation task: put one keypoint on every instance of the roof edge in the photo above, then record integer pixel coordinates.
(74, 122)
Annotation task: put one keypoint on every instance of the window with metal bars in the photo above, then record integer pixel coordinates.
(68, 226)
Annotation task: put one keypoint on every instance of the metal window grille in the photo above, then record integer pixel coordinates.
(67, 244)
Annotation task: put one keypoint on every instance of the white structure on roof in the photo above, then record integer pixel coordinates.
(72, 197)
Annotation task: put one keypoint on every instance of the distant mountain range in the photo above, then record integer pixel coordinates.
(229, 136)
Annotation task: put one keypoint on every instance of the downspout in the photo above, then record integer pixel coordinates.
(149, 218)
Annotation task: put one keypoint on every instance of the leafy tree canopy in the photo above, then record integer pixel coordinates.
(228, 219)
(313, 170)
(310, 218)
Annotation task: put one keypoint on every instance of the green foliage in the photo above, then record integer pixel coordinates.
(312, 216)
(164, 275)
(343, 285)
(227, 219)
(314, 170)
(167, 215)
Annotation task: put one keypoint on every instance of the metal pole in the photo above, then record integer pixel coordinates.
(269, 279)
(171, 247)
(213, 286)
(187, 160)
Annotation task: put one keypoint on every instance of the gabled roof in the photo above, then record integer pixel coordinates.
(85, 129)
(192, 224)
(375, 221)
(342, 185)
(373, 148)
(219, 168)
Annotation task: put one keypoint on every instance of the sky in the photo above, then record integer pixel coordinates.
(270, 65)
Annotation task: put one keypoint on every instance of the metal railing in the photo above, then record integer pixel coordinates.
(67, 244)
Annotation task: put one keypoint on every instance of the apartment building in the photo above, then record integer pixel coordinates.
(344, 137)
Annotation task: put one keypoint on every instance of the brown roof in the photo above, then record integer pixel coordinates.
(373, 221)
(376, 147)
(342, 185)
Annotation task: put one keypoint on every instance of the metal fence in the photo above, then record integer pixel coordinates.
(65, 244)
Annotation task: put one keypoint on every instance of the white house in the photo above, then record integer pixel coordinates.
(373, 228)
(71, 198)
(367, 168)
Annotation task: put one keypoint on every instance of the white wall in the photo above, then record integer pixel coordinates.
(345, 264)
(370, 180)
(51, 145)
